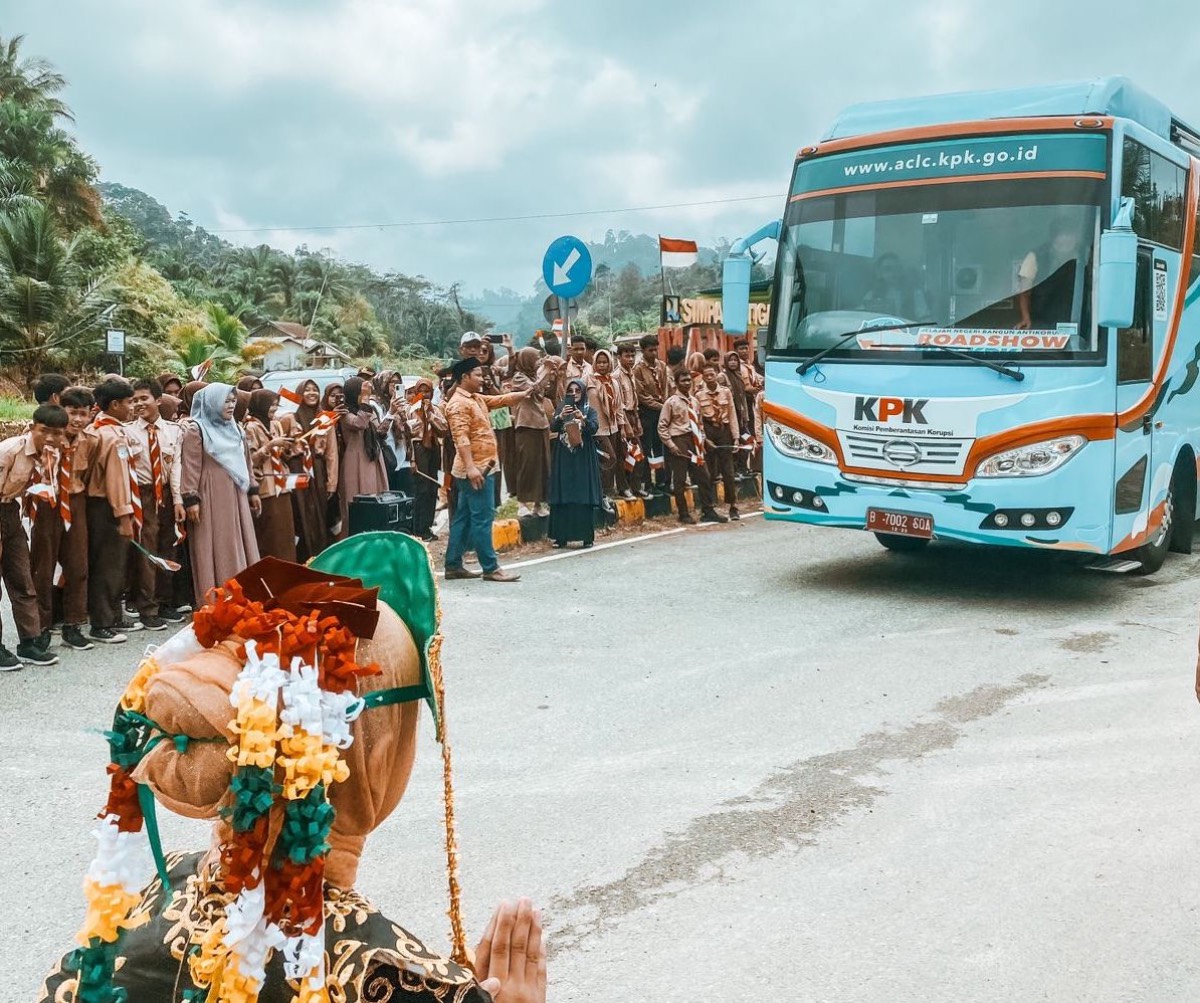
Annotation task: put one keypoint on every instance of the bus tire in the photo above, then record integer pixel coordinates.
(1184, 487)
(901, 544)
(1153, 552)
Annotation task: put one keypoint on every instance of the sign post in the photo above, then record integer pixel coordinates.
(567, 270)
(114, 344)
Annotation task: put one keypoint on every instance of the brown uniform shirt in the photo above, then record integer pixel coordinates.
(716, 407)
(19, 462)
(108, 473)
(81, 450)
(170, 436)
(674, 419)
(650, 383)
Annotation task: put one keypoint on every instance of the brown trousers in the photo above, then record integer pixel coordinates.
(53, 545)
(635, 478)
(615, 480)
(108, 556)
(719, 458)
(682, 468)
(152, 587)
(14, 567)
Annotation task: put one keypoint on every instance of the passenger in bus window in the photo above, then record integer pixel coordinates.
(1046, 279)
(892, 292)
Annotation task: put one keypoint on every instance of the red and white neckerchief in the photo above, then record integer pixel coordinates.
(696, 432)
(156, 467)
(103, 420)
(41, 485)
(610, 394)
(279, 470)
(66, 457)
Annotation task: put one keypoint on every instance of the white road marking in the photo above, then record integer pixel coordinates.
(562, 556)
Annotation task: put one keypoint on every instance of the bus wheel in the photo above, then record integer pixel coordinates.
(1153, 552)
(902, 544)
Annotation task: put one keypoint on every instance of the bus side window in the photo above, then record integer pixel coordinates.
(1134, 343)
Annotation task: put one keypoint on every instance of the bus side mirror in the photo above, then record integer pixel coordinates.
(1117, 282)
(735, 292)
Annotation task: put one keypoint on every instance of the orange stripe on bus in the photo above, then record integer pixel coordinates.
(913, 183)
(956, 130)
(1189, 247)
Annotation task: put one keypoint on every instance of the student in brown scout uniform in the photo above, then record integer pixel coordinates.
(632, 425)
(155, 454)
(26, 461)
(604, 397)
(113, 512)
(429, 428)
(721, 431)
(683, 439)
(59, 538)
(652, 388)
(315, 455)
(270, 450)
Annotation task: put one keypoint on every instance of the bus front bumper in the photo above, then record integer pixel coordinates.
(820, 495)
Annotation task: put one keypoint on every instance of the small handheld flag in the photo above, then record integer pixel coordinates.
(158, 562)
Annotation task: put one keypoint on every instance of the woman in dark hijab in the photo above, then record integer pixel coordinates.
(170, 383)
(241, 409)
(574, 469)
(168, 407)
(531, 438)
(270, 450)
(315, 456)
(361, 470)
(187, 395)
(249, 384)
(741, 401)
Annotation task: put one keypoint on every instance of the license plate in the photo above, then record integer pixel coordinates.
(880, 520)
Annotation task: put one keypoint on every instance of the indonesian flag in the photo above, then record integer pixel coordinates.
(201, 371)
(294, 482)
(677, 253)
(158, 562)
(633, 454)
(557, 326)
(291, 395)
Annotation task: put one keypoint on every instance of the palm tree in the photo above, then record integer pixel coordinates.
(48, 305)
(224, 329)
(29, 82)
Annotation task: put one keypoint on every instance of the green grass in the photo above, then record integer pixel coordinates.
(15, 409)
(508, 509)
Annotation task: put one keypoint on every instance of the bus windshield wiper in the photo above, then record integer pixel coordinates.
(805, 366)
(998, 367)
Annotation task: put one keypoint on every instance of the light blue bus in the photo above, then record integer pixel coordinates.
(985, 324)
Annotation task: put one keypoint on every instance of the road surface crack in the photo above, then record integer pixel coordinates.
(784, 812)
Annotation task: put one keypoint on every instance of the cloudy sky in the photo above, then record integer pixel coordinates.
(306, 114)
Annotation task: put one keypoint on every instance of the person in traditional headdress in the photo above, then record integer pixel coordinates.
(287, 715)
(220, 494)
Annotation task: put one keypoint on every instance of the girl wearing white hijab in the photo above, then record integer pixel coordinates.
(219, 491)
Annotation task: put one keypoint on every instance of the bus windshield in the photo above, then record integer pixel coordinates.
(1001, 268)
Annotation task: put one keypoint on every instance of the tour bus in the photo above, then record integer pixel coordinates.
(985, 324)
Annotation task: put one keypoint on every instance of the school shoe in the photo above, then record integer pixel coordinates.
(32, 654)
(712, 515)
(106, 635)
(154, 623)
(627, 495)
(42, 640)
(644, 494)
(734, 514)
(524, 511)
(687, 519)
(171, 615)
(8, 661)
(73, 637)
(500, 575)
(129, 626)
(453, 574)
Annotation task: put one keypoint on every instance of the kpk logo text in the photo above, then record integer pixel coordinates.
(884, 409)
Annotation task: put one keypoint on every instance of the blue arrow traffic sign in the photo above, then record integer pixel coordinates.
(567, 267)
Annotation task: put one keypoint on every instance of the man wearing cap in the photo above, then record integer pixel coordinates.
(475, 461)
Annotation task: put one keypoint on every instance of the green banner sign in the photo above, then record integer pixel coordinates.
(966, 158)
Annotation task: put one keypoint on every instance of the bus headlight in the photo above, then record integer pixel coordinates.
(798, 445)
(1032, 461)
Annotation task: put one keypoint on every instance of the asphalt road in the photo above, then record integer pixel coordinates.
(757, 762)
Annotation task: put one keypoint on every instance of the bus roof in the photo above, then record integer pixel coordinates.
(1115, 96)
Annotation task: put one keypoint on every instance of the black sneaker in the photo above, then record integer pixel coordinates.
(43, 640)
(73, 637)
(154, 623)
(8, 661)
(184, 608)
(712, 515)
(171, 615)
(129, 626)
(106, 635)
(31, 653)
